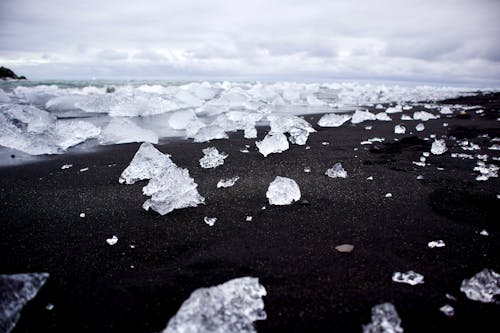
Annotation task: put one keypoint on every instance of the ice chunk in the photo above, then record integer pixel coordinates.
(388, 195)
(333, 120)
(272, 143)
(438, 243)
(336, 171)
(82, 215)
(173, 188)
(210, 220)
(379, 106)
(231, 307)
(73, 132)
(283, 191)
(249, 218)
(483, 287)
(406, 117)
(4, 98)
(180, 120)
(16, 290)
(112, 241)
(399, 129)
(494, 147)
(212, 158)
(438, 147)
(228, 182)
(298, 128)
(410, 277)
(84, 169)
(447, 310)
(385, 319)
(147, 163)
(395, 109)
(382, 116)
(207, 133)
(123, 130)
(484, 232)
(420, 127)
(66, 166)
(423, 115)
(445, 110)
(360, 116)
(344, 248)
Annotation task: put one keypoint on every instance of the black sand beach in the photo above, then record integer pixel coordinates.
(311, 287)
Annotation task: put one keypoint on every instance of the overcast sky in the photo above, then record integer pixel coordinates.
(442, 41)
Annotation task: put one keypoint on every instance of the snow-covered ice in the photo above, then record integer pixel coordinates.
(227, 182)
(212, 158)
(336, 171)
(283, 191)
(272, 143)
(410, 277)
(385, 319)
(483, 287)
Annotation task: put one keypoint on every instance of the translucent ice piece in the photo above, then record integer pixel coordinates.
(298, 128)
(420, 127)
(180, 120)
(231, 307)
(73, 132)
(15, 291)
(207, 133)
(447, 310)
(424, 116)
(272, 143)
(173, 188)
(147, 163)
(399, 129)
(283, 191)
(410, 277)
(210, 220)
(333, 120)
(123, 130)
(483, 287)
(228, 182)
(336, 171)
(385, 319)
(438, 147)
(212, 158)
(360, 116)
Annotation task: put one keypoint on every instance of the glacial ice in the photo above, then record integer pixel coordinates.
(385, 319)
(147, 163)
(382, 116)
(4, 98)
(272, 143)
(483, 287)
(399, 129)
(406, 117)
(298, 128)
(207, 133)
(336, 171)
(410, 277)
(333, 120)
(212, 158)
(227, 182)
(123, 130)
(231, 307)
(180, 120)
(423, 116)
(394, 109)
(283, 191)
(73, 132)
(420, 127)
(445, 110)
(438, 147)
(16, 290)
(361, 116)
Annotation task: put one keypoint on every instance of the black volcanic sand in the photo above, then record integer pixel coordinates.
(311, 287)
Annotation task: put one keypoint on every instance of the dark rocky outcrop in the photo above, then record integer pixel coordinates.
(6, 73)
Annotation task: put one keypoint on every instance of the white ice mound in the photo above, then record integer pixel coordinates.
(385, 319)
(173, 188)
(483, 287)
(212, 158)
(298, 128)
(446, 110)
(207, 133)
(424, 116)
(231, 307)
(420, 127)
(272, 143)
(394, 109)
(360, 116)
(227, 182)
(336, 171)
(147, 163)
(410, 277)
(123, 130)
(15, 291)
(333, 120)
(382, 116)
(283, 191)
(438, 147)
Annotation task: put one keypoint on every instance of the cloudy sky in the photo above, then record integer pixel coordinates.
(445, 41)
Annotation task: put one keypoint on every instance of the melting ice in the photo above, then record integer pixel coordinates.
(385, 319)
(283, 191)
(483, 287)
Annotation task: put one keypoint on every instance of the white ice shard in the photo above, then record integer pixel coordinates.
(207, 133)
(385, 319)
(423, 116)
(420, 127)
(399, 129)
(336, 171)
(486, 171)
(483, 287)
(212, 158)
(410, 277)
(360, 116)
(438, 147)
(147, 163)
(283, 191)
(16, 290)
(437, 243)
(231, 307)
(124, 130)
(228, 182)
(445, 110)
(298, 128)
(272, 143)
(173, 188)
(382, 116)
(333, 120)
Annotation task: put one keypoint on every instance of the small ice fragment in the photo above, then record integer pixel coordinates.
(420, 177)
(369, 178)
(132, 246)
(388, 195)
(494, 147)
(438, 147)
(249, 218)
(244, 150)
(422, 159)
(445, 110)
(410, 277)
(66, 166)
(263, 208)
(336, 171)
(368, 128)
(379, 106)
(395, 109)
(432, 136)
(283, 191)
(147, 163)
(399, 129)
(208, 133)
(230, 307)
(486, 171)
(272, 143)
(210, 220)
(307, 169)
(440, 169)
(112, 240)
(437, 243)
(406, 117)
(498, 196)
(82, 215)
(451, 297)
(447, 310)
(49, 307)
(360, 116)
(325, 143)
(228, 182)
(426, 154)
(420, 127)
(84, 169)
(344, 248)
(483, 287)
(308, 147)
(382, 116)
(445, 124)
(385, 319)
(212, 158)
(424, 116)
(484, 232)
(333, 120)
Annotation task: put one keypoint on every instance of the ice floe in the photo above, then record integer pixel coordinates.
(212, 158)
(283, 191)
(385, 319)
(483, 287)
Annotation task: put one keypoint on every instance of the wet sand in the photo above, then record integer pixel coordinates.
(311, 287)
